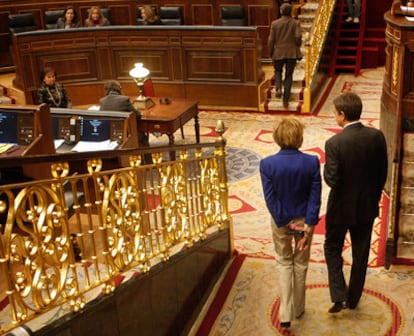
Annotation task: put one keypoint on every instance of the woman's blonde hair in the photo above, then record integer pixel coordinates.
(91, 10)
(151, 14)
(288, 134)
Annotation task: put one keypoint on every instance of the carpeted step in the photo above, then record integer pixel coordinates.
(273, 104)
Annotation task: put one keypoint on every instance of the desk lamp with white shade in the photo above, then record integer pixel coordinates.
(140, 75)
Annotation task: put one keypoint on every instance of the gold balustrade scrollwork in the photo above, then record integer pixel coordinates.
(63, 237)
(314, 47)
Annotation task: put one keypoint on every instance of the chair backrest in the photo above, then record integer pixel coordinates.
(171, 16)
(19, 23)
(148, 89)
(51, 18)
(233, 16)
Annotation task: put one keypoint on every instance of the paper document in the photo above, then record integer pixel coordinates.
(4, 147)
(90, 146)
(58, 143)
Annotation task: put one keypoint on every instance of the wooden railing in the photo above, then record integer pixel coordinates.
(63, 239)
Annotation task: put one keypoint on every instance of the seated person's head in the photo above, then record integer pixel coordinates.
(70, 15)
(112, 85)
(95, 13)
(148, 14)
(48, 76)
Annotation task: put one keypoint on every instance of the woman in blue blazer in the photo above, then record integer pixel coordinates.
(291, 183)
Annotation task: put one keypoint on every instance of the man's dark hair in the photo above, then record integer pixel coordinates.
(350, 104)
(112, 85)
(44, 71)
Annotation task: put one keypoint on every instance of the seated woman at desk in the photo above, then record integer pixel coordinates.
(68, 20)
(149, 17)
(51, 92)
(96, 18)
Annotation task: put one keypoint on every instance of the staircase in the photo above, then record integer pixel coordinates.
(347, 53)
(306, 15)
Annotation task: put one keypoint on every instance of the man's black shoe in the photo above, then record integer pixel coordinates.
(337, 307)
(285, 324)
(352, 305)
(278, 93)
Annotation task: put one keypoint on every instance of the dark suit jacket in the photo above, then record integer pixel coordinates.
(114, 101)
(291, 183)
(356, 170)
(44, 96)
(60, 24)
(285, 38)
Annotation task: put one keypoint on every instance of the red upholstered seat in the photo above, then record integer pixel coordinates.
(148, 89)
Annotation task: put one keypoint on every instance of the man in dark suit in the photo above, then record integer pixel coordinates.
(116, 101)
(284, 42)
(355, 170)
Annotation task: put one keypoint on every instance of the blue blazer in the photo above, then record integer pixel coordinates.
(292, 186)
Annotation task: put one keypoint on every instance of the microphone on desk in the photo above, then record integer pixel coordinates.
(72, 135)
(165, 101)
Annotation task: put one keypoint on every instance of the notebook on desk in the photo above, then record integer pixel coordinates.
(90, 146)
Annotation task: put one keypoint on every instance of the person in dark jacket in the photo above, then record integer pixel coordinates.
(116, 101)
(51, 92)
(355, 170)
(68, 20)
(284, 43)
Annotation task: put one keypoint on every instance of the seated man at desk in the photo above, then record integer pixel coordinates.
(116, 101)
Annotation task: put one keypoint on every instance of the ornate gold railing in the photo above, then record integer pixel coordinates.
(314, 45)
(63, 238)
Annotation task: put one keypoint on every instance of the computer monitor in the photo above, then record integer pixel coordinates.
(8, 127)
(95, 129)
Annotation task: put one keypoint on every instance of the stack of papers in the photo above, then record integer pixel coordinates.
(58, 143)
(4, 147)
(90, 146)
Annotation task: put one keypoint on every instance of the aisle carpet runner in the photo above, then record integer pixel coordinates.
(247, 303)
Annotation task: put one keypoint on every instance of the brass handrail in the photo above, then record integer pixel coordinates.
(314, 46)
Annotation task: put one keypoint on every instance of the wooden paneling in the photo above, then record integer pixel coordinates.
(202, 14)
(397, 118)
(216, 65)
(259, 13)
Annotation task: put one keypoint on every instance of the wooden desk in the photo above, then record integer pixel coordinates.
(168, 118)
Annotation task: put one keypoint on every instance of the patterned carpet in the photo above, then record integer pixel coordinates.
(250, 308)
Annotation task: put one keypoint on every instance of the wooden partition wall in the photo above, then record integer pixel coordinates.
(215, 65)
(259, 13)
(397, 123)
